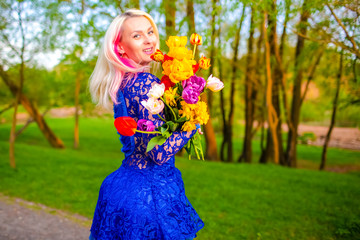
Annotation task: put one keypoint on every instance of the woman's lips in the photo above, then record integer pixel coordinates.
(148, 51)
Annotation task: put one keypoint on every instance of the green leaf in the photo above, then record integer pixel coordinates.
(176, 111)
(187, 147)
(172, 126)
(158, 140)
(183, 119)
(164, 128)
(197, 146)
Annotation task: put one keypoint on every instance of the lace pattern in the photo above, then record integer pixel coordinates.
(145, 197)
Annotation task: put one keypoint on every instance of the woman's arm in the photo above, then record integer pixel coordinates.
(163, 153)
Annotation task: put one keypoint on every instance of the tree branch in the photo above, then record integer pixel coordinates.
(311, 72)
(323, 41)
(344, 28)
(10, 45)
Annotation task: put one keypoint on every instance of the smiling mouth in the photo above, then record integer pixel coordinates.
(149, 51)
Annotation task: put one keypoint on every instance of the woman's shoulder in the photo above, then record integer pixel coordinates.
(141, 84)
(147, 78)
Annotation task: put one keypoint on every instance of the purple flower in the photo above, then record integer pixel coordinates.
(197, 83)
(145, 125)
(190, 95)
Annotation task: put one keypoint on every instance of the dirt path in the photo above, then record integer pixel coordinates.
(23, 220)
(347, 138)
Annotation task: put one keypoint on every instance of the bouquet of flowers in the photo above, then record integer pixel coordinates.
(178, 96)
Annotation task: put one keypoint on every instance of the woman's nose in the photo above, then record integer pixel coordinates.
(148, 39)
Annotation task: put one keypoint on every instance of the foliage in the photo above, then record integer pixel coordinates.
(69, 34)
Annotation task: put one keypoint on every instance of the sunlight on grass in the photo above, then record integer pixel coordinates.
(236, 201)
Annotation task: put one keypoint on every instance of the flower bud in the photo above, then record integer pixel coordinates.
(195, 39)
(154, 106)
(156, 91)
(157, 56)
(204, 63)
(214, 84)
(125, 126)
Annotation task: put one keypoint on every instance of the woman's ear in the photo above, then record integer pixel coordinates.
(120, 49)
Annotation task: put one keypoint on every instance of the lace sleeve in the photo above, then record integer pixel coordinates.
(163, 153)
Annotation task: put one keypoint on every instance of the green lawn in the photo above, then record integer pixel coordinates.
(236, 201)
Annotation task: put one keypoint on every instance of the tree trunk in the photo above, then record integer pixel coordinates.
(250, 95)
(191, 16)
(170, 12)
(333, 116)
(260, 84)
(77, 109)
(33, 112)
(230, 119)
(222, 105)
(212, 50)
(296, 100)
(211, 146)
(273, 120)
(274, 149)
(210, 139)
(13, 126)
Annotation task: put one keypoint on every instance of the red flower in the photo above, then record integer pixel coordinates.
(195, 68)
(168, 83)
(125, 126)
(157, 56)
(166, 58)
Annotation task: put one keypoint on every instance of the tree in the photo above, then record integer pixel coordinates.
(33, 112)
(274, 148)
(17, 19)
(273, 119)
(228, 126)
(250, 95)
(210, 139)
(170, 13)
(296, 99)
(333, 115)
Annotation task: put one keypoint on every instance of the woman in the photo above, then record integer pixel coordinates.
(145, 197)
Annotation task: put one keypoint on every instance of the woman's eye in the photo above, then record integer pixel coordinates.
(136, 36)
(151, 32)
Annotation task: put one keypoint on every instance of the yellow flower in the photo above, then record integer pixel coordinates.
(187, 110)
(175, 41)
(167, 65)
(188, 126)
(180, 53)
(170, 95)
(204, 63)
(202, 116)
(195, 39)
(178, 70)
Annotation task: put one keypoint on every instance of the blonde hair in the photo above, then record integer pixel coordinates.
(111, 68)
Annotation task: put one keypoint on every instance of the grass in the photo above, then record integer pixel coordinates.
(236, 201)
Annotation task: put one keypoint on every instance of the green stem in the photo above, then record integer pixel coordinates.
(162, 118)
(194, 51)
(170, 108)
(154, 132)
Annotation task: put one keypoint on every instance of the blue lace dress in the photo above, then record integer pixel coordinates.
(145, 197)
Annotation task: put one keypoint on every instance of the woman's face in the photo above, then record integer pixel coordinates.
(138, 40)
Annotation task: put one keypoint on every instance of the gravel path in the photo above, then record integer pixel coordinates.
(22, 220)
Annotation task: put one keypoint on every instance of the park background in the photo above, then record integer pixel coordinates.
(282, 157)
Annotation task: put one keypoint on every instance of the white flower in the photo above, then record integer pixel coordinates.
(156, 91)
(214, 84)
(154, 106)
